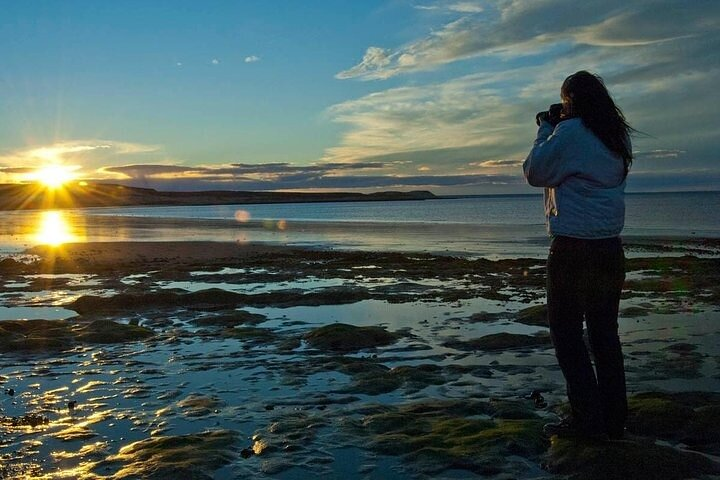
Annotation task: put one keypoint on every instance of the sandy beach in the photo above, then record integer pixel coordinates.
(230, 360)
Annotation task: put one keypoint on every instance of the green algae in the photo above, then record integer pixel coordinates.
(535, 316)
(378, 380)
(687, 276)
(690, 418)
(679, 360)
(486, 317)
(35, 335)
(634, 312)
(230, 319)
(500, 341)
(435, 436)
(195, 405)
(341, 337)
(54, 335)
(625, 460)
(288, 442)
(251, 334)
(215, 298)
(193, 456)
(107, 331)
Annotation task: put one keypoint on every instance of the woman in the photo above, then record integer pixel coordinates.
(583, 162)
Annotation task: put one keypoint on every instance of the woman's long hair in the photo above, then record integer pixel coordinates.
(584, 95)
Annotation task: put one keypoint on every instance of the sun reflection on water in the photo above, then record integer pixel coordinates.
(54, 229)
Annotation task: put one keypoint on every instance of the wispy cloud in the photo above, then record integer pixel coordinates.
(658, 154)
(657, 56)
(466, 7)
(83, 155)
(513, 27)
(349, 182)
(496, 163)
(252, 59)
(260, 171)
(285, 176)
(468, 119)
(462, 7)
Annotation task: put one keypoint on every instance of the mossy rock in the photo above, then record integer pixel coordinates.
(341, 337)
(486, 317)
(656, 415)
(625, 460)
(195, 405)
(252, 334)
(380, 379)
(55, 335)
(230, 319)
(690, 418)
(703, 428)
(35, 335)
(634, 312)
(107, 331)
(441, 435)
(536, 316)
(91, 304)
(194, 456)
(512, 409)
(500, 341)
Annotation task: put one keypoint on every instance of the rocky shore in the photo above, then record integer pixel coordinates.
(224, 360)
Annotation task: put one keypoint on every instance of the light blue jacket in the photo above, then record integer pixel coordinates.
(584, 181)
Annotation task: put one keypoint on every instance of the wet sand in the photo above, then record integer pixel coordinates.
(230, 360)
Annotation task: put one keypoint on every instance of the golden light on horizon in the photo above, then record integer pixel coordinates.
(53, 176)
(54, 229)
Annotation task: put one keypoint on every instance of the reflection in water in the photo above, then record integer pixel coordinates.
(54, 229)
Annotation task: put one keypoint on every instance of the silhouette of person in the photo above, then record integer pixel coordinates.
(581, 157)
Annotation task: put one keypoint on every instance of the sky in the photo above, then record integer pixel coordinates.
(344, 94)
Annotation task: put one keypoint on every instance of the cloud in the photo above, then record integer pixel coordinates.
(252, 59)
(426, 7)
(497, 163)
(517, 27)
(215, 61)
(469, 119)
(461, 7)
(373, 64)
(16, 170)
(466, 7)
(658, 154)
(83, 155)
(658, 57)
(350, 182)
(150, 170)
(266, 174)
(64, 151)
(285, 176)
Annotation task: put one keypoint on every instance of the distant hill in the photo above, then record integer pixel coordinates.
(78, 195)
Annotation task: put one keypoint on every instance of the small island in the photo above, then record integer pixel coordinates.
(86, 194)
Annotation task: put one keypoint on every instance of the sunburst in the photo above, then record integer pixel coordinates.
(53, 176)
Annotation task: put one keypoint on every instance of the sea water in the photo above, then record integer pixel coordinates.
(491, 226)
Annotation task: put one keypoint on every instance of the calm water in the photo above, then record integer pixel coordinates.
(674, 212)
(494, 226)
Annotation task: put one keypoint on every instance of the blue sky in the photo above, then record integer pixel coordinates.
(342, 95)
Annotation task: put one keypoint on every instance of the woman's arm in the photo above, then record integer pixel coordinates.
(545, 165)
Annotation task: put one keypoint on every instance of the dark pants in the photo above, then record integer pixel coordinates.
(584, 282)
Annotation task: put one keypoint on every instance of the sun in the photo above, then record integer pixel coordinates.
(53, 176)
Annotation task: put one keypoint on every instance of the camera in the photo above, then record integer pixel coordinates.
(553, 115)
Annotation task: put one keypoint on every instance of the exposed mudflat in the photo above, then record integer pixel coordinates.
(222, 360)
